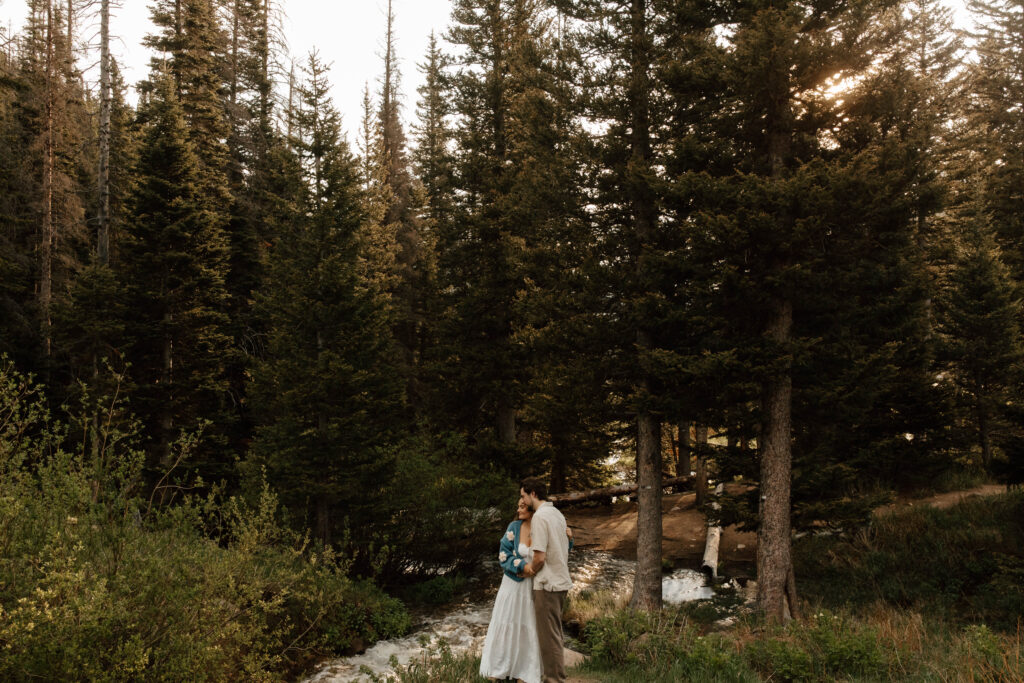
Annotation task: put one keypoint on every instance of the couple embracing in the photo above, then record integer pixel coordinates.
(524, 638)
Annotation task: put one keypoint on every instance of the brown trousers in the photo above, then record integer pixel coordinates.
(547, 608)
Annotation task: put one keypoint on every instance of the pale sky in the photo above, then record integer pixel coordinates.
(349, 34)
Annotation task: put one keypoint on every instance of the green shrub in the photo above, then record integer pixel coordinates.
(781, 660)
(631, 637)
(825, 647)
(97, 584)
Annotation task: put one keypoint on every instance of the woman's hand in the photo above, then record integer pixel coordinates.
(568, 532)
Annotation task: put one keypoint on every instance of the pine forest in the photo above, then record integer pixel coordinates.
(271, 376)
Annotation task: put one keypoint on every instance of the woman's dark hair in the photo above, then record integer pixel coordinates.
(535, 486)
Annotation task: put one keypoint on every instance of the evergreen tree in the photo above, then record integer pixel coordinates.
(997, 85)
(18, 331)
(257, 176)
(54, 123)
(90, 324)
(818, 281)
(566, 409)
(174, 264)
(483, 251)
(413, 257)
(195, 47)
(432, 154)
(432, 160)
(328, 392)
(981, 326)
(625, 97)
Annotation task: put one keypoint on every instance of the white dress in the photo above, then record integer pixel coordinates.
(511, 648)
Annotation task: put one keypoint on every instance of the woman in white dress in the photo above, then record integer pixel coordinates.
(511, 648)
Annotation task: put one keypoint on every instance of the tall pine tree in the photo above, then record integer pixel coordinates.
(174, 266)
(328, 391)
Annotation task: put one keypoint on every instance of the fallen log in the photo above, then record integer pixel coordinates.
(574, 497)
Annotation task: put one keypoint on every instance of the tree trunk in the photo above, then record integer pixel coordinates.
(984, 434)
(177, 41)
(774, 542)
(167, 382)
(70, 47)
(506, 420)
(709, 565)
(265, 85)
(103, 236)
(774, 560)
(701, 451)
(683, 467)
(557, 483)
(323, 519)
(236, 19)
(647, 584)
(47, 236)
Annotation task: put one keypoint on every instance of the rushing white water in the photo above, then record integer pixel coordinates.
(464, 630)
(464, 627)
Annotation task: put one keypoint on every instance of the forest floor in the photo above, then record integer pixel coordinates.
(612, 528)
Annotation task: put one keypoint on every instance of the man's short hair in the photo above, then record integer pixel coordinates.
(535, 486)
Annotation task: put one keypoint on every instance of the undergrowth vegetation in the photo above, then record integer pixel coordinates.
(961, 564)
(922, 595)
(100, 583)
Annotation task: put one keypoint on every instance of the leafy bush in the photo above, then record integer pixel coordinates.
(98, 584)
(826, 647)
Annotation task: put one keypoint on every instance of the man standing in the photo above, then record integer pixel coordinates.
(550, 569)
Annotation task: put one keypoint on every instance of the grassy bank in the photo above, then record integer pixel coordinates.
(923, 595)
(963, 564)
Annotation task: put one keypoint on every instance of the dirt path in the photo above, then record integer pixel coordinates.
(613, 527)
(944, 500)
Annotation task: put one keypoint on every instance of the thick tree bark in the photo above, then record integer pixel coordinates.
(774, 560)
(647, 584)
(775, 583)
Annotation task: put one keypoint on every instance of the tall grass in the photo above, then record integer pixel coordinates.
(962, 564)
